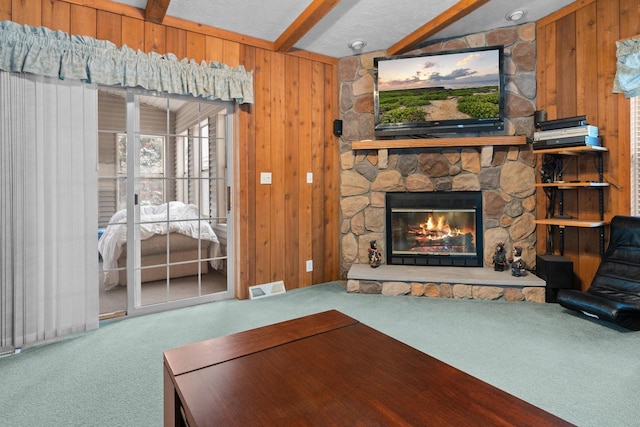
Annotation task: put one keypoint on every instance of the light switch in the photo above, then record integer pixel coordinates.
(265, 178)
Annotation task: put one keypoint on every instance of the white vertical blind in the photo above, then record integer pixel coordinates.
(48, 218)
(635, 156)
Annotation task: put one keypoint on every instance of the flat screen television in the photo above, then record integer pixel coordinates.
(455, 91)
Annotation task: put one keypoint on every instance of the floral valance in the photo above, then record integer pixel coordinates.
(39, 50)
(627, 79)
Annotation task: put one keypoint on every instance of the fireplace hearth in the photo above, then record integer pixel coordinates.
(434, 228)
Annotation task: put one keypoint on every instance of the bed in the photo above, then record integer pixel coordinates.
(177, 224)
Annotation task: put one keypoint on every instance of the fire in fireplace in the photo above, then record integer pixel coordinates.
(441, 228)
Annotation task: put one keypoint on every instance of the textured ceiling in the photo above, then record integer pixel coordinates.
(381, 23)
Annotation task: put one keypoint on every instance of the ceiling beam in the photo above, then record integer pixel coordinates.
(303, 23)
(446, 18)
(156, 10)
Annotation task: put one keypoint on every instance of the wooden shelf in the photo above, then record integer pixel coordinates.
(571, 223)
(572, 185)
(558, 188)
(371, 144)
(572, 151)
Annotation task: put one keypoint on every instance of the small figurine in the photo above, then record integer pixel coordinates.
(374, 254)
(517, 264)
(499, 258)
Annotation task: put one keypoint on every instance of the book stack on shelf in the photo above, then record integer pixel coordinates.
(567, 132)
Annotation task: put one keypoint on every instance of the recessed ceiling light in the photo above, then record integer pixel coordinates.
(357, 44)
(516, 15)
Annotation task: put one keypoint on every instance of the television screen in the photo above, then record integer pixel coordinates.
(442, 92)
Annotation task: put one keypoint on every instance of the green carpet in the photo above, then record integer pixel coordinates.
(576, 368)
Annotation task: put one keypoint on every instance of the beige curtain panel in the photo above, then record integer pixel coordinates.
(41, 51)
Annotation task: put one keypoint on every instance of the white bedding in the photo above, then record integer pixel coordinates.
(186, 220)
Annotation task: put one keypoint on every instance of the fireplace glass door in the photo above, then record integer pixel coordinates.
(434, 228)
(437, 232)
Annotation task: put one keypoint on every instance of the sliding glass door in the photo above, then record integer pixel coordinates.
(164, 164)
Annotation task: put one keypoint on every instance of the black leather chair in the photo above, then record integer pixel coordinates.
(614, 294)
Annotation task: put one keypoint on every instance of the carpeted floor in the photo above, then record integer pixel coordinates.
(576, 368)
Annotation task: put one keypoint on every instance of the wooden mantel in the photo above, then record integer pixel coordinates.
(438, 142)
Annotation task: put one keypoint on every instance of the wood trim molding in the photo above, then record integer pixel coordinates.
(637, 36)
(439, 142)
(570, 8)
(110, 6)
(454, 13)
(170, 21)
(329, 60)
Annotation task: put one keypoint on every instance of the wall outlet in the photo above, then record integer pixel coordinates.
(309, 265)
(265, 177)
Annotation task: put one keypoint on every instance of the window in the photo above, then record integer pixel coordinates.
(164, 150)
(204, 167)
(201, 166)
(182, 167)
(152, 169)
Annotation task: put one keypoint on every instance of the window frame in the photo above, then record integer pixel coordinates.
(121, 165)
(634, 142)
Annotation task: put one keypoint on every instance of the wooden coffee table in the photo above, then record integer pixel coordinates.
(328, 369)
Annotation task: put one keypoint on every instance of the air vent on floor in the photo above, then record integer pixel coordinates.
(6, 352)
(266, 289)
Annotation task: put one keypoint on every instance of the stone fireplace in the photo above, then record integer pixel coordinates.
(434, 228)
(502, 175)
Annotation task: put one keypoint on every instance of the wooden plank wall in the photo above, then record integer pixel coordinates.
(576, 64)
(288, 131)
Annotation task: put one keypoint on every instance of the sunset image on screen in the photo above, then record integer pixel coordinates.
(439, 87)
